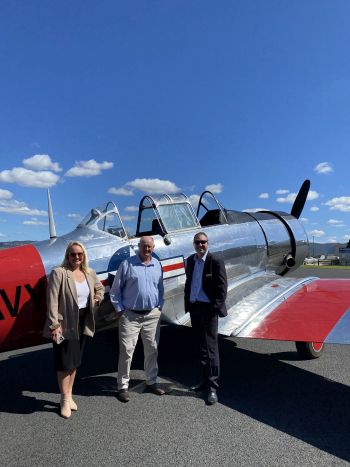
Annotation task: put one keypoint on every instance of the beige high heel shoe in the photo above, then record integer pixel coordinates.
(65, 407)
(73, 405)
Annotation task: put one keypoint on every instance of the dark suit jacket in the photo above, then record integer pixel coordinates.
(214, 283)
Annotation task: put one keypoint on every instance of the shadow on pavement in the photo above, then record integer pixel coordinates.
(302, 404)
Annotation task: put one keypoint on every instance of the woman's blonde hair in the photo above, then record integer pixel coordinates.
(85, 263)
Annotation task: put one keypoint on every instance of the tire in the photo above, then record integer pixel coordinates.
(309, 350)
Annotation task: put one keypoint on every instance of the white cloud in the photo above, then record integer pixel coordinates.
(194, 199)
(215, 188)
(74, 216)
(323, 168)
(41, 162)
(263, 196)
(35, 221)
(3, 235)
(287, 199)
(120, 191)
(316, 233)
(88, 168)
(148, 185)
(153, 185)
(341, 203)
(128, 218)
(332, 240)
(334, 221)
(5, 194)
(312, 195)
(281, 192)
(131, 209)
(18, 207)
(305, 220)
(29, 178)
(314, 209)
(291, 197)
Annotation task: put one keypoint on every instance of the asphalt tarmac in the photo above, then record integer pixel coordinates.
(273, 409)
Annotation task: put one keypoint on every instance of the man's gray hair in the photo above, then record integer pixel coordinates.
(144, 237)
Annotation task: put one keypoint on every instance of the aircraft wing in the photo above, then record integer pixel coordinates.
(274, 307)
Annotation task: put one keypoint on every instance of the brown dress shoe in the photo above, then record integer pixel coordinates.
(123, 395)
(155, 389)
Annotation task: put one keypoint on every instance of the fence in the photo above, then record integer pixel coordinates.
(327, 262)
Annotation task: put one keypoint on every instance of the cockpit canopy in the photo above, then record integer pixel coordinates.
(105, 218)
(159, 215)
(163, 214)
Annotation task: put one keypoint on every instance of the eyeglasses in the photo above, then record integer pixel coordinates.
(80, 255)
(200, 242)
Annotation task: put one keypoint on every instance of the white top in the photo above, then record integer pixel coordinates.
(83, 293)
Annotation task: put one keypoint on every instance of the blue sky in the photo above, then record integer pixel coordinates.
(113, 99)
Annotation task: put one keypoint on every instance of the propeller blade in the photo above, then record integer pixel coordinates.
(300, 200)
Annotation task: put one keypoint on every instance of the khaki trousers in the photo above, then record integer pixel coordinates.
(132, 324)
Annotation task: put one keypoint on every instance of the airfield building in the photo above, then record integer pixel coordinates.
(344, 256)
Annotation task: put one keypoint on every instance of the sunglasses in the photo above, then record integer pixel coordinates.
(80, 255)
(200, 242)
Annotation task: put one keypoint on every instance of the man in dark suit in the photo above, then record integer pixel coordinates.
(205, 294)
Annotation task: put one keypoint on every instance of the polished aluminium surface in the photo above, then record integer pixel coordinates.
(258, 249)
(251, 246)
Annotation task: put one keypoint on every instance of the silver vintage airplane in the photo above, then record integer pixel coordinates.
(259, 250)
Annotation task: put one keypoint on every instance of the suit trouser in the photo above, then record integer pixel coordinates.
(131, 325)
(205, 326)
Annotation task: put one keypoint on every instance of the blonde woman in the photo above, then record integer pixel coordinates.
(73, 292)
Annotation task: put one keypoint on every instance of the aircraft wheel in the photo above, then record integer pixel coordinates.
(309, 350)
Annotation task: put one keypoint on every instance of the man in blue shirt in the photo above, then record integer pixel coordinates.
(137, 294)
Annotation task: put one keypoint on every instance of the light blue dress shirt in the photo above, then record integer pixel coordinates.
(197, 292)
(137, 286)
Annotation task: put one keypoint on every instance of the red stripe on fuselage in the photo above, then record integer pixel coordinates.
(309, 314)
(22, 297)
(173, 267)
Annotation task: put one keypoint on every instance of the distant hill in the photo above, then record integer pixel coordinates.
(319, 249)
(15, 243)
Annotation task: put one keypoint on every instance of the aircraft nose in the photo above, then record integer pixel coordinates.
(22, 297)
